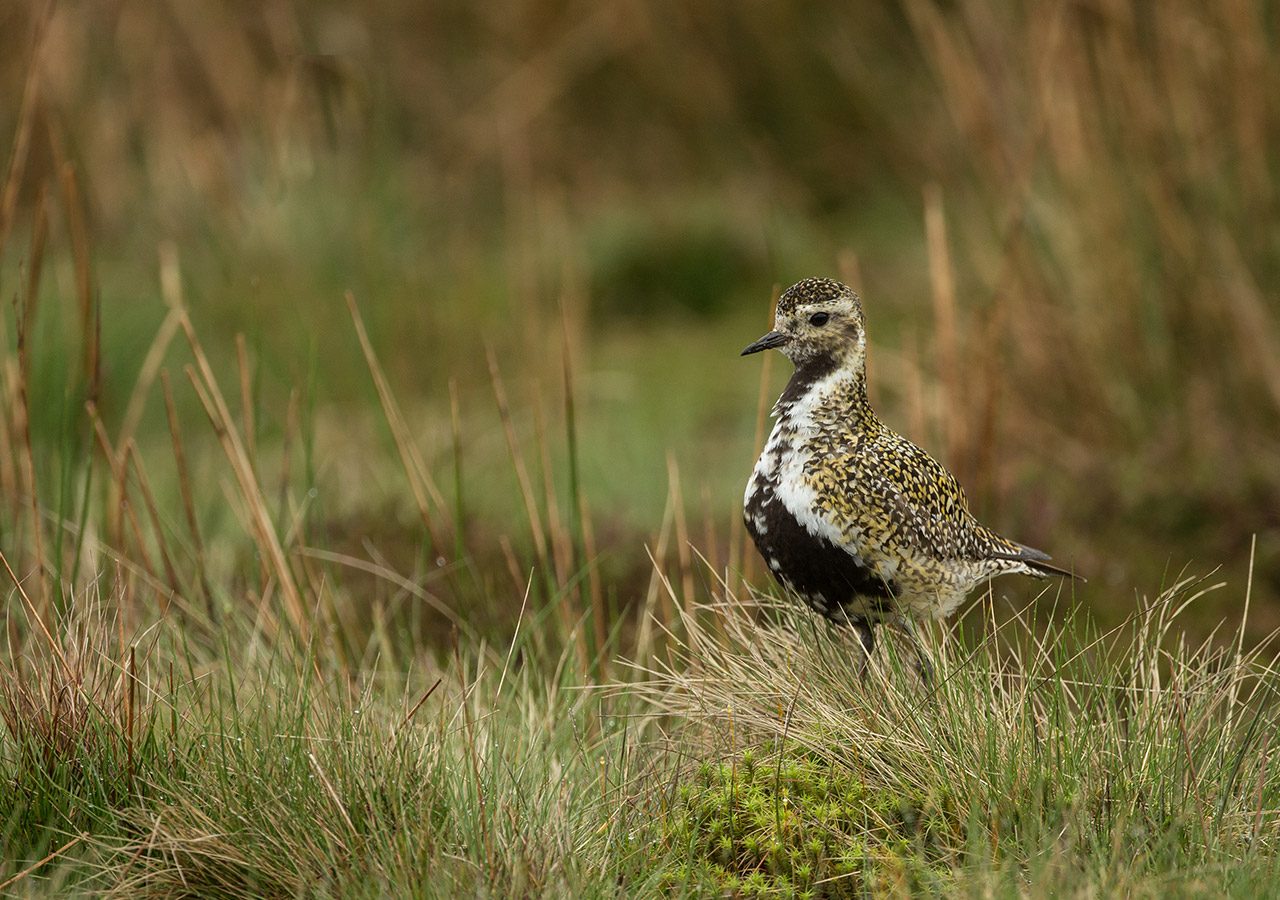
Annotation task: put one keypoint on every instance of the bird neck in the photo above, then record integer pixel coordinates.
(829, 383)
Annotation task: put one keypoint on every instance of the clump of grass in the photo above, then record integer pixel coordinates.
(82, 728)
(270, 773)
(484, 782)
(790, 823)
(1112, 760)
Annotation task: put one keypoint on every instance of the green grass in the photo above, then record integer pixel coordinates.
(1045, 761)
(255, 776)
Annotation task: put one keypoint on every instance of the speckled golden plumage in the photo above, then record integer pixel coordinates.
(855, 518)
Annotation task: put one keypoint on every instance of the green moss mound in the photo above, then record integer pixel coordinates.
(793, 825)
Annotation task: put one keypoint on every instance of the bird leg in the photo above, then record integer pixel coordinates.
(923, 665)
(867, 635)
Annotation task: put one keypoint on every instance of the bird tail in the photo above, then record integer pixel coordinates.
(1036, 562)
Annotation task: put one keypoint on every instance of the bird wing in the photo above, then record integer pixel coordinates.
(894, 494)
(927, 510)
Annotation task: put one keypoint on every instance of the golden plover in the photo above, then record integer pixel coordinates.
(856, 519)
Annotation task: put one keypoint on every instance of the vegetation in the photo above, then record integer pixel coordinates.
(372, 434)
(799, 828)
(1046, 762)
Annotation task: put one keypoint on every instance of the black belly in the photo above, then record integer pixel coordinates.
(826, 575)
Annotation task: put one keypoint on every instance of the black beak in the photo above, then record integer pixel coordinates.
(768, 342)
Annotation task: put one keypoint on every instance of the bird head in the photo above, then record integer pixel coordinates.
(817, 320)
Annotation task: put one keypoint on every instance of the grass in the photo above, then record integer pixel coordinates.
(256, 776)
(1045, 761)
(319, 366)
(240, 711)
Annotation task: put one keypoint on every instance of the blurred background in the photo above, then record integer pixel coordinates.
(1062, 219)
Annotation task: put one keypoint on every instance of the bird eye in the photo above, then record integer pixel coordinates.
(819, 319)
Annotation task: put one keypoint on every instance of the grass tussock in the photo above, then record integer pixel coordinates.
(1047, 760)
(255, 775)
(304, 790)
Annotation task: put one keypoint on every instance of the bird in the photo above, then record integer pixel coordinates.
(859, 522)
